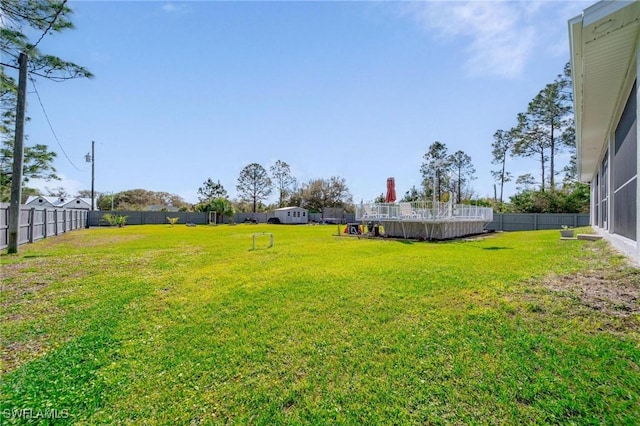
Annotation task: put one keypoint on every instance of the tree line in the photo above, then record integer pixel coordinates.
(255, 184)
(445, 176)
(544, 130)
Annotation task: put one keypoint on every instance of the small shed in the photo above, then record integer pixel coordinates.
(59, 202)
(78, 203)
(292, 215)
(38, 201)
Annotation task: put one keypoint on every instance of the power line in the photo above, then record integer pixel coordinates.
(53, 21)
(50, 125)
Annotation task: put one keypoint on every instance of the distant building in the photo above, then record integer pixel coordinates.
(604, 64)
(162, 208)
(59, 202)
(292, 215)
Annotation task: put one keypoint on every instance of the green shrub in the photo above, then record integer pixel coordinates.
(114, 220)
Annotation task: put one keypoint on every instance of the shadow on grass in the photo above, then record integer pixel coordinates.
(26, 256)
(497, 248)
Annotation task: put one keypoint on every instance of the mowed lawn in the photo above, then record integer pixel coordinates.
(189, 325)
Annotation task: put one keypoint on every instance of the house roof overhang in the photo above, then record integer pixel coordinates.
(603, 42)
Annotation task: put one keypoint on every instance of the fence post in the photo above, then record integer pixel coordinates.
(575, 220)
(535, 221)
(31, 219)
(501, 221)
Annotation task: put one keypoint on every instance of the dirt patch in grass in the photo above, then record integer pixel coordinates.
(14, 354)
(23, 281)
(85, 240)
(614, 292)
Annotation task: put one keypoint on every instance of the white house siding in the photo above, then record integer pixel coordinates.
(614, 187)
(605, 73)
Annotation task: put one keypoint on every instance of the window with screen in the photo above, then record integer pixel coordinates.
(625, 171)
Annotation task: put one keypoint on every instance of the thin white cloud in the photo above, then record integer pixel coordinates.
(174, 8)
(502, 36)
(169, 7)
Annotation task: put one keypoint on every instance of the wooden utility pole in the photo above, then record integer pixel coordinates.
(18, 157)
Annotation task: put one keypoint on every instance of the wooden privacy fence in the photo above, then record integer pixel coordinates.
(313, 217)
(536, 221)
(38, 223)
(139, 217)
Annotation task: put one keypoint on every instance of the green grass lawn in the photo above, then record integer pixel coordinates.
(188, 325)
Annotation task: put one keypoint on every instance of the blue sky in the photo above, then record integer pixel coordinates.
(185, 91)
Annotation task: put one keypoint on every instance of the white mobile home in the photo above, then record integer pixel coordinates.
(604, 64)
(292, 215)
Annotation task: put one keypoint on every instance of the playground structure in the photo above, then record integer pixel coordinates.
(426, 220)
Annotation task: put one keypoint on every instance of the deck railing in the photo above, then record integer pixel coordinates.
(422, 211)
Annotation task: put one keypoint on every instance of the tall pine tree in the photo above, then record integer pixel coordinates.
(254, 184)
(462, 171)
(500, 149)
(19, 20)
(544, 128)
(434, 169)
